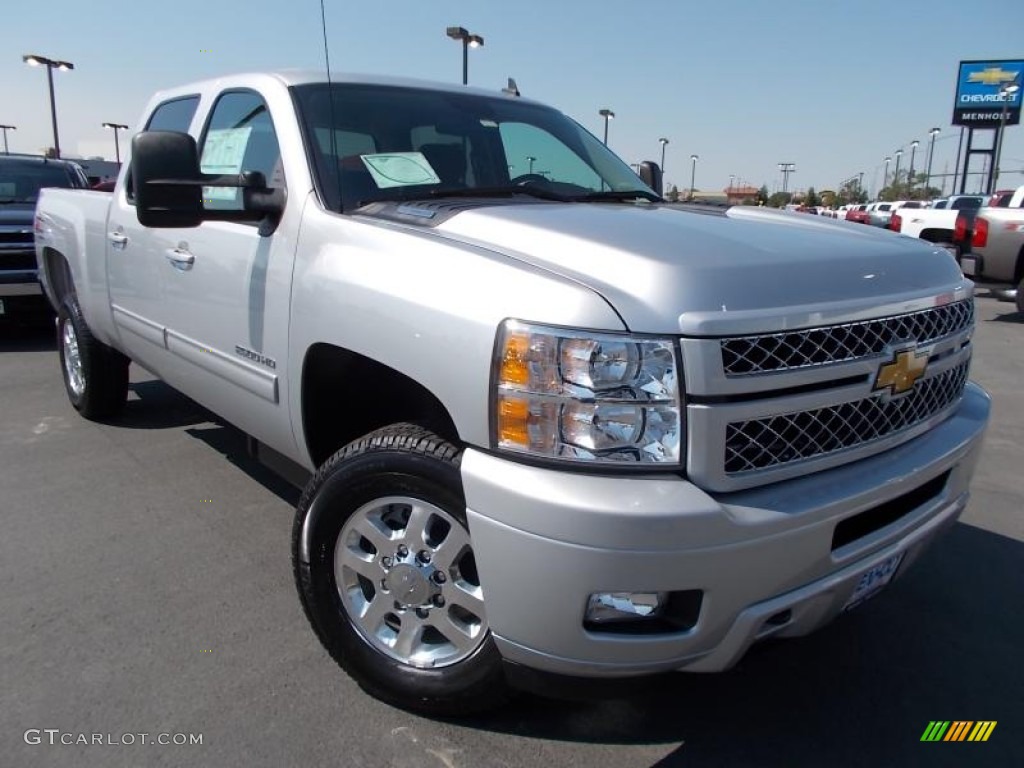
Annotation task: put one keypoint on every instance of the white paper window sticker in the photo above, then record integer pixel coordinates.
(400, 169)
(223, 153)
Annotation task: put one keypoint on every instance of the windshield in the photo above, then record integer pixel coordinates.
(20, 182)
(394, 143)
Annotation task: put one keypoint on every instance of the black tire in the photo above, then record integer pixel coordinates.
(102, 389)
(1020, 296)
(407, 461)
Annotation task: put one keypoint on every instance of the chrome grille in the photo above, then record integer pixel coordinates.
(779, 440)
(746, 355)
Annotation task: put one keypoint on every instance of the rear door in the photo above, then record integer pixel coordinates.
(135, 256)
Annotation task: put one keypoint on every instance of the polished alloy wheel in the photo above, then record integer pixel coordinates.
(405, 571)
(72, 359)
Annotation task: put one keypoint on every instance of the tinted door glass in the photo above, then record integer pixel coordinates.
(239, 137)
(174, 115)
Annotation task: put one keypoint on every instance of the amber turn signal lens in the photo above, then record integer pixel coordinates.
(513, 420)
(514, 368)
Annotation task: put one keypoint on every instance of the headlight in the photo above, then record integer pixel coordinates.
(586, 397)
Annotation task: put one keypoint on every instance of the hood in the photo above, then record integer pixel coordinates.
(671, 270)
(14, 214)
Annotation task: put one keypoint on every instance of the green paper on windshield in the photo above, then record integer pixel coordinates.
(400, 169)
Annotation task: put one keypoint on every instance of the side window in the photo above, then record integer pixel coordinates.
(239, 137)
(174, 115)
(530, 150)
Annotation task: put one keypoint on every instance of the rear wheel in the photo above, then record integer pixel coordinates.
(95, 375)
(386, 572)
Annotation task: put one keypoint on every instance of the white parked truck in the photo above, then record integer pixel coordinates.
(548, 426)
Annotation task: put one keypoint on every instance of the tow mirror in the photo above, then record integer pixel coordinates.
(650, 174)
(167, 184)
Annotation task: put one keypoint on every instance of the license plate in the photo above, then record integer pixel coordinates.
(967, 265)
(873, 580)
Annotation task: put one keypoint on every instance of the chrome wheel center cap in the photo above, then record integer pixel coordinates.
(408, 585)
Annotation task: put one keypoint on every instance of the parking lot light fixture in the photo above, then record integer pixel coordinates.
(910, 177)
(607, 114)
(693, 174)
(931, 151)
(34, 60)
(885, 174)
(1008, 91)
(664, 143)
(117, 147)
(5, 129)
(896, 174)
(468, 41)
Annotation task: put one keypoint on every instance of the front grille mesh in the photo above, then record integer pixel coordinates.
(779, 440)
(746, 355)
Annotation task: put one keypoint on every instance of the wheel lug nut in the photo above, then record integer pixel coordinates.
(402, 550)
(439, 577)
(424, 556)
(438, 601)
(422, 612)
(385, 562)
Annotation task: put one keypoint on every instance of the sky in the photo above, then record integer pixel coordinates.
(833, 87)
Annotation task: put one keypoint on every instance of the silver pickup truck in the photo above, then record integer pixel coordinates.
(549, 427)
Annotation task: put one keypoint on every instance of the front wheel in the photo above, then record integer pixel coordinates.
(386, 572)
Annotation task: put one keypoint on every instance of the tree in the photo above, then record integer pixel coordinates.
(762, 195)
(779, 199)
(811, 198)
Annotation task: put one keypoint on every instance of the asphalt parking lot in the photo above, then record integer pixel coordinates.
(147, 588)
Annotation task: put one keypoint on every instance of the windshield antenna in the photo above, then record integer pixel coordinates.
(330, 103)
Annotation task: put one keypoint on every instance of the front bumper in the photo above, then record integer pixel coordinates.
(545, 540)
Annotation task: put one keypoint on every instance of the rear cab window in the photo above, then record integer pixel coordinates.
(172, 115)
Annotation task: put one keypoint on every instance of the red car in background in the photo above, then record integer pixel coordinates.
(859, 214)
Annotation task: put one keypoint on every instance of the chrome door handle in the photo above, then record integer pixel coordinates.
(117, 239)
(179, 258)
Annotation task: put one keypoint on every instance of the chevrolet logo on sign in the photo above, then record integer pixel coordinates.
(901, 374)
(992, 76)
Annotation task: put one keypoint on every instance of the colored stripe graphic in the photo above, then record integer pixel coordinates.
(958, 731)
(982, 730)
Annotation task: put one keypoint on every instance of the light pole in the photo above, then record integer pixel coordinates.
(786, 168)
(531, 159)
(1008, 91)
(468, 41)
(885, 175)
(5, 129)
(664, 143)
(931, 151)
(117, 147)
(910, 177)
(693, 174)
(896, 174)
(41, 61)
(607, 114)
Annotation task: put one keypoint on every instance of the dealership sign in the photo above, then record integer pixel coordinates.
(979, 103)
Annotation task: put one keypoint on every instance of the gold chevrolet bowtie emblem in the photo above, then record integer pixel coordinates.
(992, 76)
(902, 373)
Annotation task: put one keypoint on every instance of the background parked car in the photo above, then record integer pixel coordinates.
(21, 178)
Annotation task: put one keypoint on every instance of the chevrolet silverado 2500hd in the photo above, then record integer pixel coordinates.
(550, 425)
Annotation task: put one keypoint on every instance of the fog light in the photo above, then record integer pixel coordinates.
(624, 606)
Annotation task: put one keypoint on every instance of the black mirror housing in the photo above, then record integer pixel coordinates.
(650, 174)
(163, 156)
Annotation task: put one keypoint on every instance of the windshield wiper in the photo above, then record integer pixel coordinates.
(618, 196)
(501, 191)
